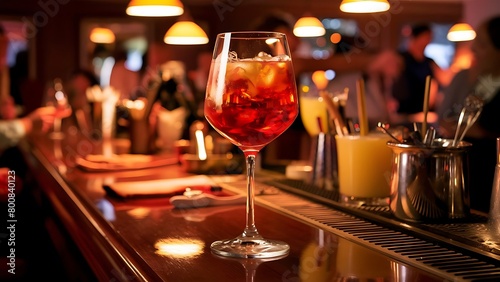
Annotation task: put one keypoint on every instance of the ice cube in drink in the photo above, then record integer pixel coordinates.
(254, 102)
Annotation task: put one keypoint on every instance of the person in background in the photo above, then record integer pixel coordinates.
(122, 79)
(197, 80)
(12, 131)
(76, 88)
(482, 80)
(379, 78)
(7, 108)
(409, 87)
(461, 85)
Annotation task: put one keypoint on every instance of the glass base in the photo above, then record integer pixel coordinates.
(360, 201)
(250, 248)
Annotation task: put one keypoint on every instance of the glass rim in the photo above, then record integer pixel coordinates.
(252, 34)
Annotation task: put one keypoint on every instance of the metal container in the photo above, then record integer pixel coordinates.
(494, 214)
(430, 183)
(323, 157)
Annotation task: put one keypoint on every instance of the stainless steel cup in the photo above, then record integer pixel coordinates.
(324, 162)
(430, 183)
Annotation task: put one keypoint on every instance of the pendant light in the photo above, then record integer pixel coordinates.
(185, 32)
(308, 26)
(155, 8)
(461, 32)
(364, 6)
(102, 35)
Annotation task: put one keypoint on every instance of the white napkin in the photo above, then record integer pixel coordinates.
(164, 187)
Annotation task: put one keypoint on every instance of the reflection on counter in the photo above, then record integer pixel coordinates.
(139, 213)
(181, 248)
(331, 258)
(318, 259)
(359, 263)
(107, 209)
(199, 215)
(251, 264)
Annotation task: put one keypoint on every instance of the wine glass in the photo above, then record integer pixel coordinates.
(251, 99)
(58, 99)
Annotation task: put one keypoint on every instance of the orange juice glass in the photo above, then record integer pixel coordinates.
(364, 167)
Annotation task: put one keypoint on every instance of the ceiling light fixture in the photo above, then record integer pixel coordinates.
(185, 32)
(308, 27)
(102, 35)
(461, 32)
(155, 8)
(364, 6)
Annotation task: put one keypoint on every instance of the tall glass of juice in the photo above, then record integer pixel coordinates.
(364, 166)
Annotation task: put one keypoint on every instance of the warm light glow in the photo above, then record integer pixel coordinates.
(185, 33)
(155, 8)
(179, 248)
(319, 79)
(271, 41)
(364, 6)
(200, 142)
(308, 27)
(102, 35)
(463, 60)
(461, 32)
(139, 213)
(61, 98)
(335, 38)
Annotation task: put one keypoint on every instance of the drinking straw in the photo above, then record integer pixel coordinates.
(320, 125)
(363, 119)
(340, 126)
(426, 103)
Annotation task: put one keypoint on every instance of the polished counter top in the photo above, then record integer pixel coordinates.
(147, 239)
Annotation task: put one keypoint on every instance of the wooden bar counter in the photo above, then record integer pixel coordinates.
(147, 239)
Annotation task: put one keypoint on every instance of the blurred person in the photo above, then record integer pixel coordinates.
(19, 73)
(12, 131)
(278, 21)
(379, 78)
(7, 108)
(122, 79)
(76, 89)
(462, 84)
(175, 95)
(197, 80)
(409, 87)
(10, 156)
(482, 80)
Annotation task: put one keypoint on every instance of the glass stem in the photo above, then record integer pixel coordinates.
(250, 229)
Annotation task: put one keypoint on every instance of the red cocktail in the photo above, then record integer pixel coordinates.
(258, 102)
(251, 99)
